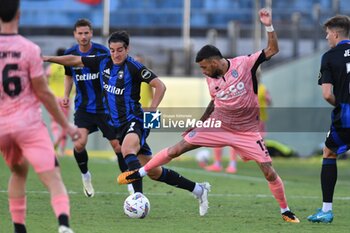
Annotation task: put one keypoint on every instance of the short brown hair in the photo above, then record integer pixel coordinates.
(82, 23)
(340, 23)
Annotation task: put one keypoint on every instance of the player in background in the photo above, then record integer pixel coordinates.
(121, 76)
(217, 165)
(24, 138)
(55, 75)
(91, 111)
(334, 79)
(264, 99)
(233, 86)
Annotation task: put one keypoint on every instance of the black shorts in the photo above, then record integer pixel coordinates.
(338, 140)
(135, 127)
(94, 122)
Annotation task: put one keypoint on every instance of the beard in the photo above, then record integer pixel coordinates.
(216, 74)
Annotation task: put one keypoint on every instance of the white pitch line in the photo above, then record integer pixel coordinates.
(215, 195)
(221, 174)
(201, 172)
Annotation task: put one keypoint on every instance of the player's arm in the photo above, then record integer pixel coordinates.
(66, 60)
(45, 95)
(272, 42)
(68, 85)
(206, 114)
(328, 93)
(208, 111)
(159, 90)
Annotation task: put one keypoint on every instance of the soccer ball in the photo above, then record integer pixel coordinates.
(137, 205)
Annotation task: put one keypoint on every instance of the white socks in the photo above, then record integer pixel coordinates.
(142, 172)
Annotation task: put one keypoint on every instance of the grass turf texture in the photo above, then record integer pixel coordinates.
(238, 203)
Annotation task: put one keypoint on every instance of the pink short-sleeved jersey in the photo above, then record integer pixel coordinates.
(235, 100)
(20, 61)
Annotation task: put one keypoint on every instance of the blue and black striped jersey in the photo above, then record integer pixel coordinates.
(89, 92)
(335, 69)
(121, 85)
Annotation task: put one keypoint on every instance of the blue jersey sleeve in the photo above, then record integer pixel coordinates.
(325, 75)
(93, 62)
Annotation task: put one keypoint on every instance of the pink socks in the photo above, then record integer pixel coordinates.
(277, 189)
(18, 209)
(159, 159)
(60, 204)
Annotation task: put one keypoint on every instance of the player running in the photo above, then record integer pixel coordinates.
(24, 138)
(121, 77)
(233, 87)
(91, 111)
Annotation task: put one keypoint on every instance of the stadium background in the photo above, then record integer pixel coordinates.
(157, 32)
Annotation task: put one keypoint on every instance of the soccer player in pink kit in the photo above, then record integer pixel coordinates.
(233, 87)
(24, 138)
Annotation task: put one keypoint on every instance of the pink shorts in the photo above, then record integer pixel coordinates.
(33, 144)
(248, 145)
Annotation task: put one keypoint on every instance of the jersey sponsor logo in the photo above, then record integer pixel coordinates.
(233, 91)
(120, 74)
(151, 120)
(113, 89)
(347, 53)
(86, 77)
(106, 73)
(77, 68)
(146, 74)
(234, 73)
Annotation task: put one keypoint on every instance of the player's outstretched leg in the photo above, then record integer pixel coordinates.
(171, 177)
(128, 177)
(289, 216)
(203, 198)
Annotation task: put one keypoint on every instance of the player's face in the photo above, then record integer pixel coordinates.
(118, 52)
(332, 36)
(210, 68)
(83, 35)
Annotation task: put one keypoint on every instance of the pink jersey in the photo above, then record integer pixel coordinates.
(20, 61)
(235, 100)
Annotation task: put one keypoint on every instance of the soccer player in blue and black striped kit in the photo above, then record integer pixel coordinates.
(121, 77)
(335, 80)
(91, 111)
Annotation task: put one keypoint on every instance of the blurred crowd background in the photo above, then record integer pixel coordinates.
(169, 32)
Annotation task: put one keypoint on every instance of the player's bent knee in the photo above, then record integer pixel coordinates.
(155, 173)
